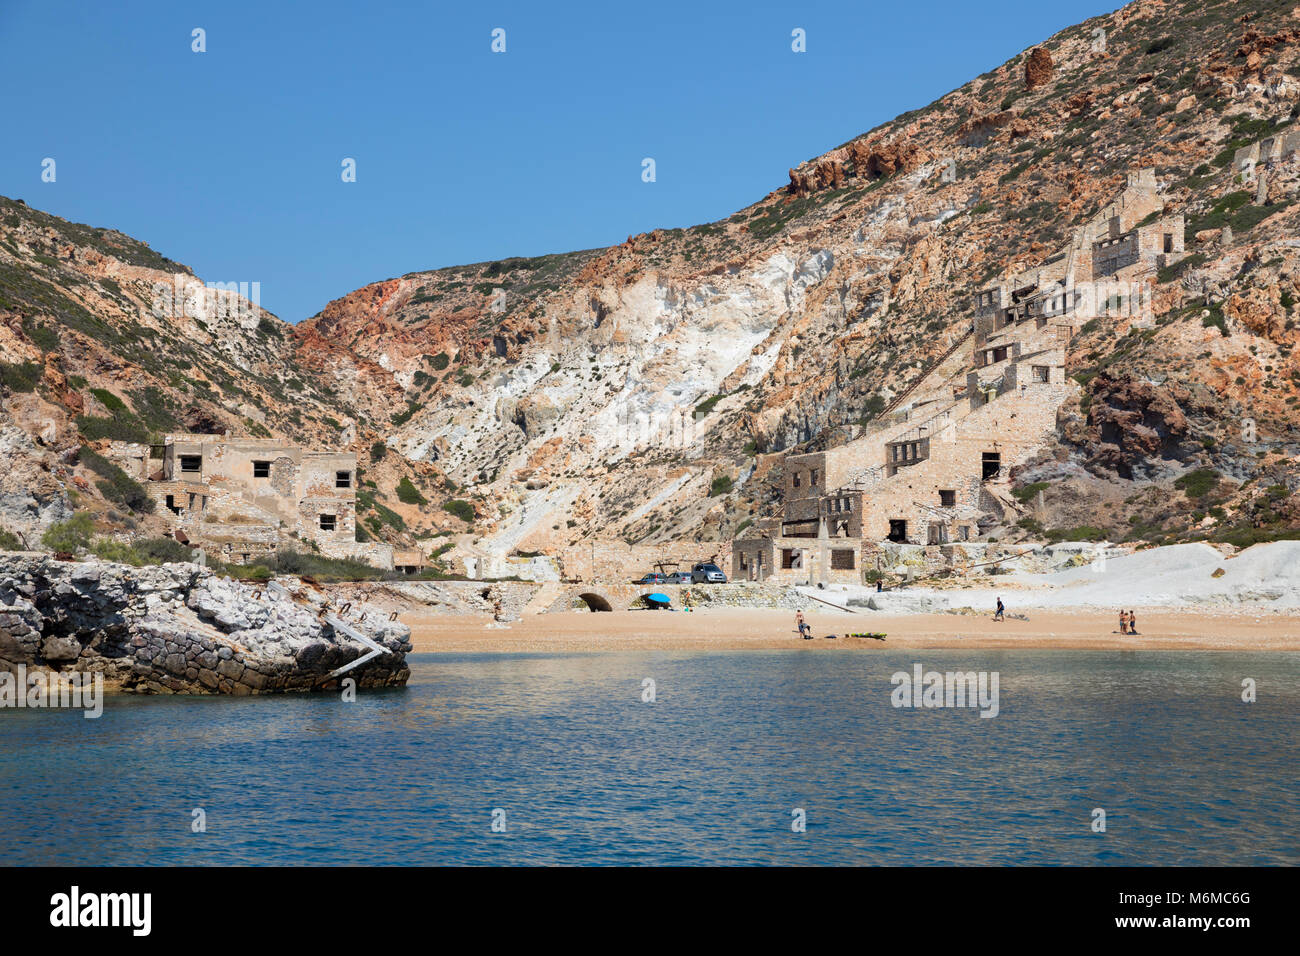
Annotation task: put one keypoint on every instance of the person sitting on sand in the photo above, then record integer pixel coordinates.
(1123, 622)
(1001, 609)
(801, 624)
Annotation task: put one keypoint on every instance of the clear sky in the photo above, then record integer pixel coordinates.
(230, 160)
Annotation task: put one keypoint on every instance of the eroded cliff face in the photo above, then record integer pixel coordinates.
(641, 392)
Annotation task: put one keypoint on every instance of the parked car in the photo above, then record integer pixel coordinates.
(707, 572)
(654, 577)
(680, 577)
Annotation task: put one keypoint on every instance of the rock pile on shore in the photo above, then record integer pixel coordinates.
(180, 629)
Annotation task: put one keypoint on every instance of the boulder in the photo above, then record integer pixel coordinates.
(1038, 68)
(180, 628)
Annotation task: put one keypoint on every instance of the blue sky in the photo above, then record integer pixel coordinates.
(230, 160)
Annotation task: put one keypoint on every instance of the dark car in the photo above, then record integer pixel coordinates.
(706, 572)
(654, 577)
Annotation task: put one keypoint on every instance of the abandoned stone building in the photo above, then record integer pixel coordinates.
(1250, 160)
(935, 470)
(238, 498)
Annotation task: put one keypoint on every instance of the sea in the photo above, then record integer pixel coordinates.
(789, 757)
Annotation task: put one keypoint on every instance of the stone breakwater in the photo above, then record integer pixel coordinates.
(181, 629)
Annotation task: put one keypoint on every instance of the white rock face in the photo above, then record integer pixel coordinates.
(179, 629)
(676, 345)
(30, 501)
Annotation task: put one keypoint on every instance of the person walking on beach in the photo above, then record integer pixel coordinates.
(1001, 609)
(1123, 622)
(801, 624)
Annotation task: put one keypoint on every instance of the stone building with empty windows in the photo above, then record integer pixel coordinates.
(237, 498)
(935, 469)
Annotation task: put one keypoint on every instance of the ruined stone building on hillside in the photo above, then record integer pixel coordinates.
(239, 498)
(1256, 158)
(935, 470)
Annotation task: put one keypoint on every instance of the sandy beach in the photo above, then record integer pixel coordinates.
(1214, 629)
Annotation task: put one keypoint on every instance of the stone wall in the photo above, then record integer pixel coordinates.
(619, 597)
(616, 562)
(378, 554)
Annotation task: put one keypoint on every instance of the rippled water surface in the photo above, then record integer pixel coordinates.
(585, 772)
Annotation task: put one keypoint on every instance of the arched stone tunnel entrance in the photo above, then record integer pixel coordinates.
(596, 602)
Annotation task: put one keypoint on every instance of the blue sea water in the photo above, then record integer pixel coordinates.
(709, 773)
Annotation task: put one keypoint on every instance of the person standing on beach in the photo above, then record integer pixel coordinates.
(801, 624)
(1132, 622)
(1001, 609)
(1123, 622)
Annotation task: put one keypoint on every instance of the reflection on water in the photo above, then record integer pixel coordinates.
(709, 773)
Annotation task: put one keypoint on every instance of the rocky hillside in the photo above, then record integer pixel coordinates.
(102, 338)
(641, 392)
(556, 387)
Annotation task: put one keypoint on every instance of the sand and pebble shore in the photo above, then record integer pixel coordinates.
(1212, 629)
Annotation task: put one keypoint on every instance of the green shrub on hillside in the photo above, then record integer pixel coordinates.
(461, 509)
(70, 536)
(157, 411)
(44, 337)
(318, 566)
(1081, 533)
(108, 549)
(109, 400)
(21, 376)
(1243, 536)
(253, 573)
(117, 485)
(403, 417)
(123, 428)
(706, 406)
(1029, 491)
(163, 551)
(1213, 317)
(408, 494)
(1198, 483)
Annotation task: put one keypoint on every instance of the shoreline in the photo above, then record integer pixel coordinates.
(1204, 629)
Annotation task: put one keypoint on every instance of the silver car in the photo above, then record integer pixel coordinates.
(707, 572)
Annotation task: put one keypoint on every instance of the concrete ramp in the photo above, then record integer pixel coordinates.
(543, 599)
(827, 598)
(901, 603)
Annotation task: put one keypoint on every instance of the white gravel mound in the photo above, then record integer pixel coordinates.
(1181, 575)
